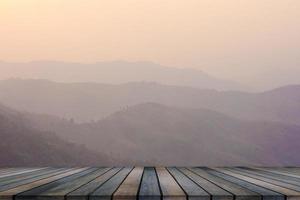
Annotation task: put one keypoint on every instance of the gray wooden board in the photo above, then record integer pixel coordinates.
(269, 180)
(16, 183)
(279, 172)
(193, 191)
(19, 177)
(278, 177)
(216, 192)
(290, 194)
(55, 189)
(238, 191)
(295, 170)
(64, 188)
(169, 187)
(201, 183)
(82, 192)
(11, 193)
(9, 170)
(18, 171)
(13, 169)
(106, 190)
(129, 188)
(149, 189)
(266, 194)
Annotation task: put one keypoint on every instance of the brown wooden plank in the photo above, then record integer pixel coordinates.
(169, 187)
(129, 188)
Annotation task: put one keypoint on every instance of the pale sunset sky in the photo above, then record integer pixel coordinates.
(227, 38)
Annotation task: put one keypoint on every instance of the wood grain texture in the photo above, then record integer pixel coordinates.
(265, 193)
(193, 191)
(16, 181)
(238, 191)
(216, 192)
(150, 183)
(268, 180)
(9, 194)
(82, 192)
(17, 172)
(129, 188)
(290, 194)
(169, 187)
(286, 173)
(57, 189)
(278, 177)
(8, 179)
(105, 192)
(149, 189)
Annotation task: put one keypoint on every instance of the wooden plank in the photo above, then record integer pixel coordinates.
(269, 180)
(18, 177)
(19, 171)
(10, 170)
(149, 189)
(58, 189)
(278, 177)
(106, 190)
(61, 189)
(216, 192)
(16, 182)
(9, 194)
(193, 191)
(129, 188)
(239, 192)
(82, 192)
(278, 172)
(295, 170)
(169, 187)
(290, 194)
(266, 194)
(4, 169)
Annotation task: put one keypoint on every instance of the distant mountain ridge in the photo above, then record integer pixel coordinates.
(23, 145)
(146, 134)
(155, 134)
(94, 101)
(115, 72)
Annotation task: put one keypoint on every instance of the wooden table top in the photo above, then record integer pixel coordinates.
(203, 183)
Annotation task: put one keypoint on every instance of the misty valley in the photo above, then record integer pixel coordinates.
(78, 123)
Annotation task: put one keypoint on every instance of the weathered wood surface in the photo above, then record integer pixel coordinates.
(150, 183)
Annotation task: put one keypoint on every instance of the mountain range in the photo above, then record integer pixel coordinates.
(93, 101)
(115, 72)
(155, 134)
(141, 123)
(24, 145)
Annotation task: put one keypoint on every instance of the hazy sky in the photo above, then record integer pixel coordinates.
(228, 38)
